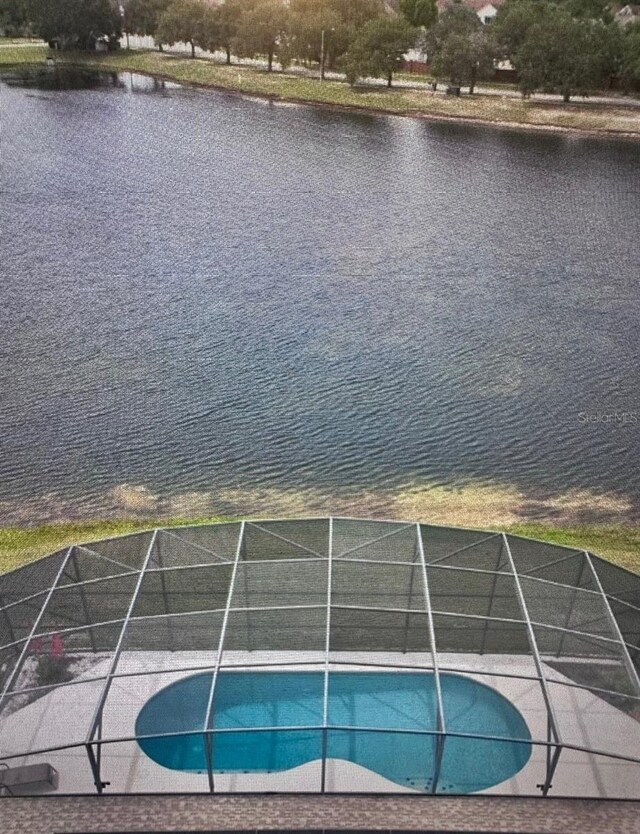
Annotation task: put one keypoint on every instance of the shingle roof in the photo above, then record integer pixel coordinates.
(476, 5)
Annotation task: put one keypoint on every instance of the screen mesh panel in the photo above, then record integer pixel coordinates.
(283, 629)
(617, 582)
(532, 557)
(298, 582)
(571, 608)
(31, 579)
(177, 590)
(373, 539)
(478, 636)
(463, 548)
(312, 538)
(18, 619)
(174, 633)
(468, 592)
(93, 602)
(378, 585)
(202, 545)
(359, 630)
(129, 550)
(84, 565)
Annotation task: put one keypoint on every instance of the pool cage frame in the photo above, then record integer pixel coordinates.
(613, 592)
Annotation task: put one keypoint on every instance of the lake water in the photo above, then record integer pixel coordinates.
(209, 302)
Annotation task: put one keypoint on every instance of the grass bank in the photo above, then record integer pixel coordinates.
(19, 545)
(619, 544)
(13, 53)
(493, 109)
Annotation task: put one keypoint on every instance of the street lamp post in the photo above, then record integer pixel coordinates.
(323, 53)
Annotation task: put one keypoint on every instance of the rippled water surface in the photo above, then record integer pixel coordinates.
(204, 294)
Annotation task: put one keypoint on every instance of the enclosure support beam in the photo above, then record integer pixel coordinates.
(553, 755)
(94, 763)
(494, 586)
(628, 662)
(412, 582)
(97, 715)
(208, 754)
(165, 598)
(327, 648)
(216, 670)
(551, 717)
(83, 597)
(441, 739)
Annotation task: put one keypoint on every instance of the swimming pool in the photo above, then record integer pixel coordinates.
(361, 705)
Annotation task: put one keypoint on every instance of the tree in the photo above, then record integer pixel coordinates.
(312, 29)
(630, 57)
(588, 9)
(459, 47)
(379, 48)
(183, 20)
(419, 12)
(141, 17)
(352, 15)
(512, 23)
(14, 21)
(75, 23)
(572, 56)
(264, 30)
(227, 17)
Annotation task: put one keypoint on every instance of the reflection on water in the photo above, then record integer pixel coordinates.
(220, 302)
(56, 76)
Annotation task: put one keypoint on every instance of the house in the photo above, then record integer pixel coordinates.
(485, 9)
(624, 15)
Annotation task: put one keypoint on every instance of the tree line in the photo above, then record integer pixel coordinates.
(566, 46)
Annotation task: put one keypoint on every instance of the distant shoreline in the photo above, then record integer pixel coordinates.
(594, 119)
(410, 114)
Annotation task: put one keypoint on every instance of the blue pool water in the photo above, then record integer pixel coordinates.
(360, 705)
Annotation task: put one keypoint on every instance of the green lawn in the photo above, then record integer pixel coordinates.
(12, 54)
(19, 545)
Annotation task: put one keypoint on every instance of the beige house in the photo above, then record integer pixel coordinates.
(628, 14)
(485, 9)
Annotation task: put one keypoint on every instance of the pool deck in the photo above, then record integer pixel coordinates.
(64, 715)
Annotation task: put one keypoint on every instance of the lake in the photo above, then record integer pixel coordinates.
(218, 304)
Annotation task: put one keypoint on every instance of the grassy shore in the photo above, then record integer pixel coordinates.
(494, 109)
(19, 545)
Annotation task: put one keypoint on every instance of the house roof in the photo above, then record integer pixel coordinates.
(476, 5)
(628, 13)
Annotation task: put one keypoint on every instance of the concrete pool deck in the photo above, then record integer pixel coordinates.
(64, 715)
